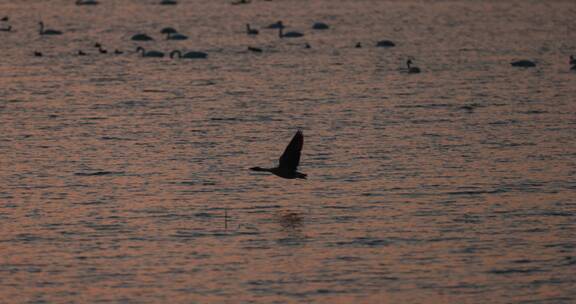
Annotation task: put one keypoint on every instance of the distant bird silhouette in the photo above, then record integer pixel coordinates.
(5, 18)
(168, 2)
(141, 37)
(288, 165)
(149, 53)
(523, 63)
(320, 26)
(276, 25)
(6, 29)
(189, 55)
(251, 31)
(385, 43)
(254, 49)
(48, 31)
(412, 69)
(358, 45)
(572, 60)
(307, 45)
(240, 2)
(168, 30)
(176, 36)
(86, 2)
(81, 53)
(281, 34)
(100, 49)
(37, 54)
(118, 52)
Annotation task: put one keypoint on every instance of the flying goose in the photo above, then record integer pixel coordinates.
(289, 160)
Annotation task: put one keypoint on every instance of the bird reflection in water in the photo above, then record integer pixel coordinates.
(290, 220)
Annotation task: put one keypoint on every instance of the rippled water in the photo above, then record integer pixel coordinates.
(125, 179)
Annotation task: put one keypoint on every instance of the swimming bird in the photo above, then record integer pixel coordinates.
(100, 49)
(276, 25)
(412, 69)
(307, 45)
(5, 18)
(288, 164)
(168, 30)
(189, 55)
(6, 29)
(251, 31)
(254, 49)
(281, 34)
(118, 52)
(86, 2)
(168, 2)
(176, 36)
(523, 63)
(37, 54)
(48, 31)
(385, 43)
(149, 53)
(320, 26)
(141, 37)
(81, 53)
(572, 60)
(358, 45)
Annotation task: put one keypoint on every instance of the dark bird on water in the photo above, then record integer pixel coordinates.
(47, 31)
(254, 49)
(289, 160)
(251, 31)
(412, 69)
(523, 63)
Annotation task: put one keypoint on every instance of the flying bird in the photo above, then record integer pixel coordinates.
(289, 160)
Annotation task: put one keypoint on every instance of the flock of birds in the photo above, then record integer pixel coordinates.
(173, 34)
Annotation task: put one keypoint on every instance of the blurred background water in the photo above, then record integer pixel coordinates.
(125, 179)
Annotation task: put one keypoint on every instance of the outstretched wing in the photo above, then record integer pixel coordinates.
(291, 156)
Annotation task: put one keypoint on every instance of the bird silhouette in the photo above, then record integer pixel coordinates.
(281, 34)
(288, 164)
(149, 53)
(86, 2)
(189, 55)
(48, 31)
(412, 69)
(255, 49)
(523, 63)
(251, 31)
